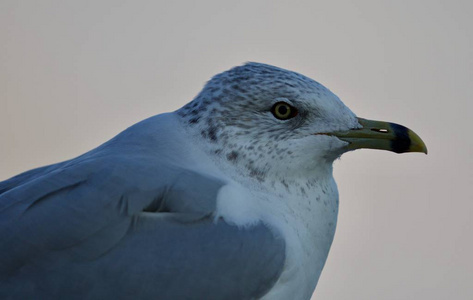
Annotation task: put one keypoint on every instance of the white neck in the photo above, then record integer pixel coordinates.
(306, 220)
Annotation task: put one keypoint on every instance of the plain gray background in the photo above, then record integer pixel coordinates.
(75, 73)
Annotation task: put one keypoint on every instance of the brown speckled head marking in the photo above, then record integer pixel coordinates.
(233, 113)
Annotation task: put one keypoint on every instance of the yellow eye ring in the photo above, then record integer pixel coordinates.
(283, 111)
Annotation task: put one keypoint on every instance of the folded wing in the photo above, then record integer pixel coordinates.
(127, 226)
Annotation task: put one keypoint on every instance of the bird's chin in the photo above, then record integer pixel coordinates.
(335, 154)
(329, 148)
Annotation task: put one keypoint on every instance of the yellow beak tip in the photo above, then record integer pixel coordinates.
(417, 144)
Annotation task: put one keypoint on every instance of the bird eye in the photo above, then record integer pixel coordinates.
(283, 111)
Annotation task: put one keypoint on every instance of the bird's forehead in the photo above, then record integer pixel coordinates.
(254, 81)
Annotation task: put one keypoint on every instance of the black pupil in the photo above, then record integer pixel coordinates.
(283, 110)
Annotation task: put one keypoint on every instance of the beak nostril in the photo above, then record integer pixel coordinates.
(380, 130)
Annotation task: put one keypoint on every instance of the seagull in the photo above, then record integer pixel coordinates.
(229, 197)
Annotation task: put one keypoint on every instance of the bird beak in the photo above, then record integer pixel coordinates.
(381, 135)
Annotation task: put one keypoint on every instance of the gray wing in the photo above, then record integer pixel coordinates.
(104, 226)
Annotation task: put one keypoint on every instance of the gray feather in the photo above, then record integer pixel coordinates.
(118, 223)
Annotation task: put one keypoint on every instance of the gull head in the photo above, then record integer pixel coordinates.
(267, 120)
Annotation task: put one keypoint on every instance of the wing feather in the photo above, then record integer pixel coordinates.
(107, 226)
